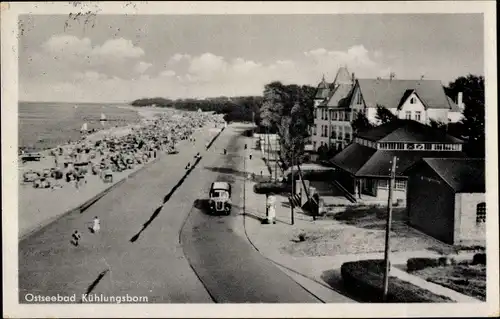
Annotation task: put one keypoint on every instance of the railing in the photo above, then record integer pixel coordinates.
(346, 193)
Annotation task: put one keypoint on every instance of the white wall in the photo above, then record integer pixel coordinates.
(418, 106)
(438, 115)
(455, 116)
(466, 228)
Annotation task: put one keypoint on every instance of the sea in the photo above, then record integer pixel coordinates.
(46, 125)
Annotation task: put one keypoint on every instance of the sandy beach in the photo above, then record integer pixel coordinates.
(39, 205)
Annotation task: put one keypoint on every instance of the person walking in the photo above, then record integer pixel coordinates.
(96, 225)
(75, 238)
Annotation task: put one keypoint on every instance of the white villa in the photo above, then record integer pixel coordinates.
(337, 104)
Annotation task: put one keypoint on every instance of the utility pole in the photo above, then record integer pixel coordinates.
(388, 229)
(276, 157)
(329, 128)
(293, 194)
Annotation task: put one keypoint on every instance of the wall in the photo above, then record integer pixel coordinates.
(466, 228)
(383, 194)
(455, 116)
(438, 115)
(431, 204)
(413, 108)
(371, 114)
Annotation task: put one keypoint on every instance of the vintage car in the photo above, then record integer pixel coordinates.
(220, 198)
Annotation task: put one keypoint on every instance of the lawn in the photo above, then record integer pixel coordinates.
(467, 279)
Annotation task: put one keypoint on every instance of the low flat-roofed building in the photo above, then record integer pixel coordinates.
(446, 199)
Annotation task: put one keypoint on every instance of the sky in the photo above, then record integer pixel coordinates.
(119, 58)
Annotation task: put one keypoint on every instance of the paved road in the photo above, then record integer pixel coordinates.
(138, 250)
(228, 266)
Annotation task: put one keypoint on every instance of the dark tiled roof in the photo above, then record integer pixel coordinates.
(323, 90)
(341, 92)
(363, 161)
(464, 175)
(380, 163)
(388, 93)
(353, 157)
(407, 131)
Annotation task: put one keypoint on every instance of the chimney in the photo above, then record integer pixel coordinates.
(353, 78)
(460, 100)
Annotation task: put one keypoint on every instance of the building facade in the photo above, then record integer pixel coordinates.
(364, 166)
(446, 199)
(331, 121)
(337, 105)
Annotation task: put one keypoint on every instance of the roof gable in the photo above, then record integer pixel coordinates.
(389, 93)
(339, 95)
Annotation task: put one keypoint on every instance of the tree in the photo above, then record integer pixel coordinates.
(472, 124)
(384, 115)
(360, 123)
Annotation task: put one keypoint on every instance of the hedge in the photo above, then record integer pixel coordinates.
(271, 187)
(365, 280)
(414, 264)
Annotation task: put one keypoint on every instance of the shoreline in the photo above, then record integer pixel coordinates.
(146, 114)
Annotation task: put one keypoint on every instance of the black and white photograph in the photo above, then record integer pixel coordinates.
(280, 154)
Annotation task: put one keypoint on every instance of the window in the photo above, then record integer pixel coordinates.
(400, 185)
(314, 130)
(481, 213)
(315, 113)
(438, 147)
(359, 101)
(334, 132)
(335, 116)
(383, 183)
(314, 145)
(340, 134)
(428, 147)
(408, 115)
(347, 135)
(413, 100)
(418, 115)
(326, 114)
(448, 147)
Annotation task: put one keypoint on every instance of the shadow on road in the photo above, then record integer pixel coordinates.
(98, 279)
(165, 200)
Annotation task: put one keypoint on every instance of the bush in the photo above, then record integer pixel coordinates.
(365, 279)
(271, 187)
(414, 264)
(479, 259)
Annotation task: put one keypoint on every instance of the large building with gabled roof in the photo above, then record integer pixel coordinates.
(364, 166)
(337, 105)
